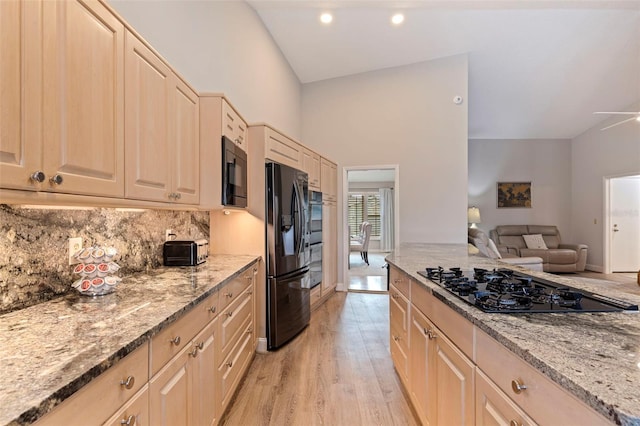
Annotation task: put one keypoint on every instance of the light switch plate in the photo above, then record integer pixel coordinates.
(75, 244)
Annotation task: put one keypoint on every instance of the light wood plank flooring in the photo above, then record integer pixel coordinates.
(337, 372)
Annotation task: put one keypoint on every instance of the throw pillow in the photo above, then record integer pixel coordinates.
(534, 241)
(494, 249)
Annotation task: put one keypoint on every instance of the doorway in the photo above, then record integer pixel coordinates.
(622, 224)
(371, 198)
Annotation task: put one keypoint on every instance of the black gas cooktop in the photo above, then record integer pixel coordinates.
(507, 291)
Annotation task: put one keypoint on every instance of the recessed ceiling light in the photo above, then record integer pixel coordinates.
(397, 19)
(326, 18)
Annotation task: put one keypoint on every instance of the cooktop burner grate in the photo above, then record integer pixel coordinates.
(507, 291)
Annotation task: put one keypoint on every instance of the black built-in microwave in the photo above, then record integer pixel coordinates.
(234, 174)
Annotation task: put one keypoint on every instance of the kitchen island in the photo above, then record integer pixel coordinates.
(50, 351)
(594, 357)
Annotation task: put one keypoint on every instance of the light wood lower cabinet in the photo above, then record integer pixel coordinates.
(106, 394)
(134, 412)
(456, 374)
(441, 376)
(329, 247)
(494, 408)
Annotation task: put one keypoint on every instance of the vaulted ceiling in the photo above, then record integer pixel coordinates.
(537, 69)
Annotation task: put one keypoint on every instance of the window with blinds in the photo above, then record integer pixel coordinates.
(364, 207)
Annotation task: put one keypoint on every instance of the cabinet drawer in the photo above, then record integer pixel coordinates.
(399, 280)
(399, 357)
(166, 344)
(230, 370)
(104, 394)
(504, 368)
(493, 407)
(233, 321)
(234, 288)
(135, 411)
(399, 318)
(209, 307)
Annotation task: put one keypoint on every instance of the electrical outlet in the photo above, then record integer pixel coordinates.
(75, 244)
(169, 235)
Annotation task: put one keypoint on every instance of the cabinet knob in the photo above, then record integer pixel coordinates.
(194, 352)
(229, 295)
(430, 334)
(178, 196)
(518, 386)
(230, 314)
(56, 179)
(200, 345)
(129, 421)
(37, 176)
(212, 309)
(396, 338)
(175, 340)
(250, 330)
(515, 423)
(230, 364)
(128, 382)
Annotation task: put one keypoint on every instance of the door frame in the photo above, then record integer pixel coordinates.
(606, 235)
(345, 203)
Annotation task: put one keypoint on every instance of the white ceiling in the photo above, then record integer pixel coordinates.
(537, 69)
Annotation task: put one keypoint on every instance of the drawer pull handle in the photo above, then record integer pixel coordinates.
(430, 334)
(229, 295)
(397, 280)
(128, 382)
(518, 386)
(194, 352)
(396, 338)
(129, 421)
(515, 423)
(212, 309)
(250, 330)
(250, 292)
(56, 179)
(175, 340)
(230, 314)
(230, 364)
(200, 345)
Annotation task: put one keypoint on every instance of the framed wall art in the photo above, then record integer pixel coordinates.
(514, 194)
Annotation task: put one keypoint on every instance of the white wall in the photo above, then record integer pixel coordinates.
(544, 163)
(598, 154)
(403, 116)
(222, 47)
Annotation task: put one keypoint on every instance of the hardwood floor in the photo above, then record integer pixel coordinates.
(336, 372)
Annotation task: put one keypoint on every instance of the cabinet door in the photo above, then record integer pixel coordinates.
(329, 247)
(422, 379)
(20, 71)
(311, 165)
(494, 408)
(329, 180)
(186, 145)
(204, 373)
(283, 150)
(233, 126)
(170, 392)
(147, 109)
(83, 98)
(454, 372)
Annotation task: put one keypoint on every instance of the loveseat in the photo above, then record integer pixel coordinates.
(556, 256)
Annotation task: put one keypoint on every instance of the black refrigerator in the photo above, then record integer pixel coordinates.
(288, 258)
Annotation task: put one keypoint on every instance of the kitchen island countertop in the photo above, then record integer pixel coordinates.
(50, 350)
(594, 356)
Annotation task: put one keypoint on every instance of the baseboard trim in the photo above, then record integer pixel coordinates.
(594, 268)
(341, 287)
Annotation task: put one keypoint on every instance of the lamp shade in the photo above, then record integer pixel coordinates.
(473, 215)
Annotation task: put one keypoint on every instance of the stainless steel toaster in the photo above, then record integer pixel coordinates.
(185, 253)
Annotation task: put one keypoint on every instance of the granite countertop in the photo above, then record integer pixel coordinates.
(49, 351)
(594, 356)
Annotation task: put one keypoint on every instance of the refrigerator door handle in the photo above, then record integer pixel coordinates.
(296, 217)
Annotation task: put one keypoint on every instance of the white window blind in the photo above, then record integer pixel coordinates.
(364, 207)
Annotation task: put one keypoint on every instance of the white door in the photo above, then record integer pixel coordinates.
(625, 224)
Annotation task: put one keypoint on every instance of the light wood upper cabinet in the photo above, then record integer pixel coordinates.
(233, 126)
(20, 73)
(329, 180)
(83, 98)
(283, 150)
(62, 98)
(311, 165)
(162, 134)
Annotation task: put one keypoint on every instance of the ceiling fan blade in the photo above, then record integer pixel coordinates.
(617, 112)
(618, 123)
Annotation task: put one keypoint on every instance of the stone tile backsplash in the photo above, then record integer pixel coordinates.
(34, 245)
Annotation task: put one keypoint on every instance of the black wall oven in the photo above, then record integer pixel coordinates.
(315, 237)
(234, 174)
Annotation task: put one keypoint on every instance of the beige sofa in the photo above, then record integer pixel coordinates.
(557, 257)
(485, 247)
